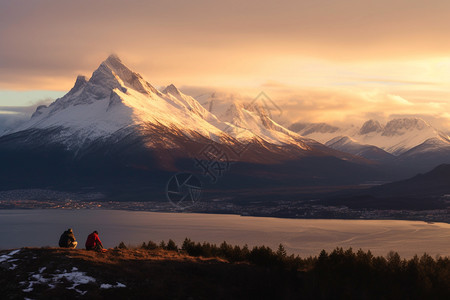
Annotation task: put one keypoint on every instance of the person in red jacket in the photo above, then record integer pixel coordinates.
(93, 242)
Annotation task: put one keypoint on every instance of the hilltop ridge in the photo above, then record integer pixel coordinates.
(120, 273)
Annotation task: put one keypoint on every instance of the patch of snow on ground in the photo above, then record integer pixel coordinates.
(7, 257)
(74, 277)
(110, 286)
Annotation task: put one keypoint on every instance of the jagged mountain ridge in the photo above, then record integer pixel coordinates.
(116, 98)
(397, 137)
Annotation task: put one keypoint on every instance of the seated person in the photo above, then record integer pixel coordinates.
(93, 242)
(67, 239)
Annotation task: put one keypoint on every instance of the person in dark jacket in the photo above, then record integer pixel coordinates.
(67, 239)
(93, 242)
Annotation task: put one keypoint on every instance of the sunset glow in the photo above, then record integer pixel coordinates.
(336, 61)
(240, 149)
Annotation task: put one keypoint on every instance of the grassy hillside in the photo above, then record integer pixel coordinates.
(153, 272)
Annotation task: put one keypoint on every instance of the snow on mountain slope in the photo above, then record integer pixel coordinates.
(186, 102)
(349, 145)
(118, 99)
(438, 145)
(189, 103)
(249, 116)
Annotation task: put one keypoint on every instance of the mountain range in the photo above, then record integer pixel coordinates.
(117, 102)
(117, 133)
(396, 137)
(410, 144)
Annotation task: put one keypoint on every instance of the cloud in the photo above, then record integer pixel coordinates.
(10, 121)
(344, 106)
(198, 91)
(354, 107)
(13, 116)
(332, 61)
(46, 44)
(274, 84)
(394, 81)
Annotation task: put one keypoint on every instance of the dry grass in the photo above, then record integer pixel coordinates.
(158, 273)
(121, 255)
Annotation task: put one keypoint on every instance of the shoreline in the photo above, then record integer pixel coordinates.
(429, 219)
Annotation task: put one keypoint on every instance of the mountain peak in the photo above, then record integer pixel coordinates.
(171, 89)
(400, 126)
(113, 73)
(114, 58)
(370, 126)
(115, 63)
(79, 84)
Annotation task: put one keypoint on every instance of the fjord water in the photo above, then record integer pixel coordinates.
(30, 228)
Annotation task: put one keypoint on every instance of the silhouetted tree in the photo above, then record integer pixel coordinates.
(122, 246)
(281, 252)
(171, 245)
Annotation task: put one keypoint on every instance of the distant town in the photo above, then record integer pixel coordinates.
(48, 199)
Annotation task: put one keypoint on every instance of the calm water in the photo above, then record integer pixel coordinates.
(19, 228)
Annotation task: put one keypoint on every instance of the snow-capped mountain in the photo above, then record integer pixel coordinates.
(117, 104)
(400, 135)
(349, 145)
(436, 145)
(113, 99)
(396, 137)
(117, 99)
(117, 133)
(371, 126)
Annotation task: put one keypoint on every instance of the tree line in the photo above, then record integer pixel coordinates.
(346, 273)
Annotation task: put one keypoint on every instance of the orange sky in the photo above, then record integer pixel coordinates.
(322, 59)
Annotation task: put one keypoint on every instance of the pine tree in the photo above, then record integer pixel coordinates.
(163, 245)
(171, 246)
(281, 252)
